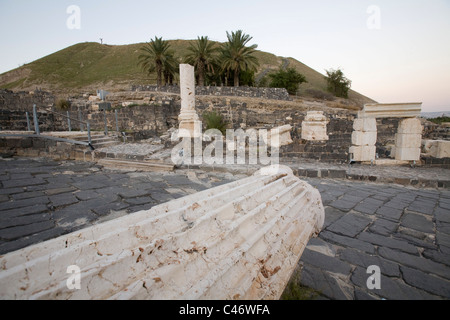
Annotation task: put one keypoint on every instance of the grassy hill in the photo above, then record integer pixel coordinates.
(85, 67)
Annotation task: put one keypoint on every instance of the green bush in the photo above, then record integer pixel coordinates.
(289, 79)
(338, 84)
(63, 104)
(215, 120)
(439, 120)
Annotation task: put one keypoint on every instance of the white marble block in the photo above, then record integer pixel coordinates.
(279, 136)
(365, 125)
(363, 153)
(360, 138)
(407, 154)
(405, 140)
(410, 126)
(314, 127)
(241, 240)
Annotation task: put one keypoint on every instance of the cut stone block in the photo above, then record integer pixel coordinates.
(405, 140)
(408, 154)
(391, 110)
(360, 138)
(279, 136)
(363, 153)
(410, 126)
(241, 240)
(365, 125)
(316, 116)
(314, 127)
(436, 148)
(443, 149)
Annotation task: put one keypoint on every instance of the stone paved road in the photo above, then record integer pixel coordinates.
(403, 231)
(42, 199)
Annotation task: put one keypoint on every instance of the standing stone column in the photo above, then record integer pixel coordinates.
(190, 125)
(364, 138)
(408, 140)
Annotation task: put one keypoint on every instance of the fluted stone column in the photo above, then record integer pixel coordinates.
(241, 240)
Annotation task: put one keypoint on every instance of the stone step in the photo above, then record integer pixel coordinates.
(136, 165)
(240, 240)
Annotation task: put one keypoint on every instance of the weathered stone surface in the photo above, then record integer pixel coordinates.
(410, 126)
(365, 125)
(360, 138)
(407, 154)
(363, 153)
(429, 283)
(416, 262)
(190, 126)
(436, 148)
(314, 126)
(219, 243)
(350, 225)
(392, 110)
(279, 136)
(417, 222)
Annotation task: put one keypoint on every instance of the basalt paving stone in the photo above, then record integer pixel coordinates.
(416, 262)
(16, 232)
(326, 283)
(388, 242)
(331, 215)
(362, 259)
(389, 213)
(383, 227)
(442, 214)
(368, 206)
(346, 203)
(31, 239)
(417, 222)
(349, 225)
(27, 195)
(24, 220)
(425, 281)
(390, 288)
(14, 204)
(423, 206)
(347, 242)
(23, 182)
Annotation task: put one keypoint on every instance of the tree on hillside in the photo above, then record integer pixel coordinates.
(338, 84)
(236, 57)
(171, 68)
(202, 55)
(289, 79)
(154, 57)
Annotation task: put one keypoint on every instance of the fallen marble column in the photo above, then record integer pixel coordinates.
(241, 240)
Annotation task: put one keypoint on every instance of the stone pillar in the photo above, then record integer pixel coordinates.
(190, 125)
(408, 140)
(314, 127)
(279, 136)
(364, 138)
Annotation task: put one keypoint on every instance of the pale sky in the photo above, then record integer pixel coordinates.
(392, 50)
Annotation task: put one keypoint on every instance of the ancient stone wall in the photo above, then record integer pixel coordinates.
(23, 101)
(249, 92)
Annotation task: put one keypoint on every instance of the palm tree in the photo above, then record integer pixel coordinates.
(171, 67)
(202, 56)
(154, 56)
(236, 57)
